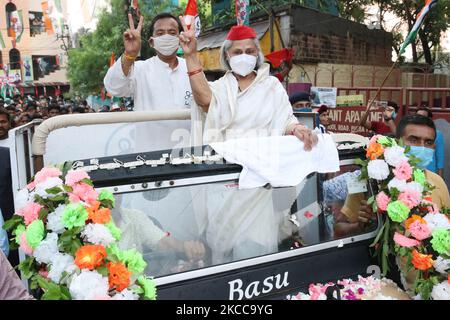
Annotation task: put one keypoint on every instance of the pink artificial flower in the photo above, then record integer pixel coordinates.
(75, 176)
(31, 185)
(24, 246)
(43, 273)
(374, 139)
(419, 230)
(30, 212)
(46, 173)
(410, 198)
(382, 200)
(403, 171)
(403, 241)
(433, 208)
(83, 192)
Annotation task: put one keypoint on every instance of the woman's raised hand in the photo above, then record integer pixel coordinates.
(188, 41)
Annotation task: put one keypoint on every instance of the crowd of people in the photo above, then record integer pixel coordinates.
(23, 109)
(245, 99)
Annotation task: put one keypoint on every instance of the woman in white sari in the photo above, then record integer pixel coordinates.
(245, 102)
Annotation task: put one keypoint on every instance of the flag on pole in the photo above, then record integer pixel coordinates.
(105, 94)
(277, 57)
(242, 12)
(17, 20)
(112, 59)
(419, 20)
(191, 16)
(2, 42)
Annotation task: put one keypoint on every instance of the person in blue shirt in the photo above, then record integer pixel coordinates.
(437, 165)
(4, 246)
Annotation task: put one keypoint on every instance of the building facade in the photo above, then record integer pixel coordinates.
(33, 46)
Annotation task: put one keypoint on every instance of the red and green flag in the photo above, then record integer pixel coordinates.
(419, 20)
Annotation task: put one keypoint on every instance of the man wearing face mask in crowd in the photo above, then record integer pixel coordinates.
(419, 133)
(158, 83)
(385, 127)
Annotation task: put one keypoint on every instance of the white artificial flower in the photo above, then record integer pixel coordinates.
(378, 169)
(126, 294)
(60, 263)
(47, 249)
(394, 155)
(441, 265)
(441, 291)
(22, 198)
(97, 233)
(88, 285)
(54, 222)
(50, 183)
(437, 220)
(414, 186)
(398, 184)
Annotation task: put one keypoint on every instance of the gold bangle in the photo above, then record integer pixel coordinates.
(129, 58)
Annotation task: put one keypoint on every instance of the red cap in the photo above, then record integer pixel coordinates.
(323, 108)
(241, 33)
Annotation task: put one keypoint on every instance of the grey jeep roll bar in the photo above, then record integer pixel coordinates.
(70, 120)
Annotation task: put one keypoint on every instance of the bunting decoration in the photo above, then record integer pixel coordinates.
(47, 21)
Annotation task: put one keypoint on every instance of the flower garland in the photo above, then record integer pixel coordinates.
(65, 228)
(369, 288)
(414, 229)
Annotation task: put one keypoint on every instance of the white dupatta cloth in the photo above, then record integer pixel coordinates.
(240, 223)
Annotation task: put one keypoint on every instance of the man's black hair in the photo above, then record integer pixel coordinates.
(414, 119)
(164, 15)
(79, 109)
(54, 106)
(428, 111)
(393, 104)
(4, 112)
(31, 104)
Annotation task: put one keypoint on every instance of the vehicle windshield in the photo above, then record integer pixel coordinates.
(190, 227)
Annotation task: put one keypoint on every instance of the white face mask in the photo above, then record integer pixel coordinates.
(166, 44)
(243, 64)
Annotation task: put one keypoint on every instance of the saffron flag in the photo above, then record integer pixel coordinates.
(191, 16)
(419, 20)
(112, 59)
(242, 12)
(47, 20)
(134, 4)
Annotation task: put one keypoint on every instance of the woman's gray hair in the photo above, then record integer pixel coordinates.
(227, 44)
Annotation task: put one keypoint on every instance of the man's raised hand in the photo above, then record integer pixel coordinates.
(132, 37)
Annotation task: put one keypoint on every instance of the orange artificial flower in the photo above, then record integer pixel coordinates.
(422, 261)
(90, 256)
(374, 151)
(413, 218)
(98, 215)
(119, 276)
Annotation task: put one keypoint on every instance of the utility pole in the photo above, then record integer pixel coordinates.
(65, 35)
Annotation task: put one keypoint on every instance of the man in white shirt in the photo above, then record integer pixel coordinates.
(158, 83)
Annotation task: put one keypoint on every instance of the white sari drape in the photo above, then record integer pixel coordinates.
(240, 223)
